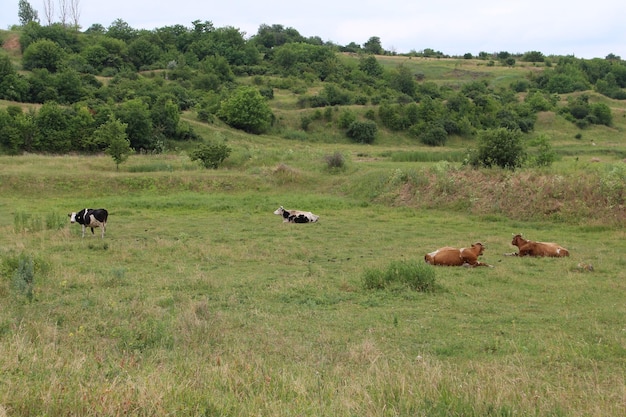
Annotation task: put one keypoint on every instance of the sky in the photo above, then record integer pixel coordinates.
(584, 29)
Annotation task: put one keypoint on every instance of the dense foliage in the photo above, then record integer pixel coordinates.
(146, 78)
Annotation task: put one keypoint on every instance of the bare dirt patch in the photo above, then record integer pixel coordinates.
(12, 44)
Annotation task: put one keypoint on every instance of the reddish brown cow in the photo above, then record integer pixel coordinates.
(530, 248)
(448, 256)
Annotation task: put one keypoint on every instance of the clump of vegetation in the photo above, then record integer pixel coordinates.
(22, 269)
(113, 133)
(499, 147)
(362, 131)
(246, 109)
(544, 155)
(335, 162)
(412, 274)
(211, 155)
(24, 277)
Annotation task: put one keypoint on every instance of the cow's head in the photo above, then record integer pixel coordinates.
(72, 217)
(517, 239)
(479, 247)
(280, 210)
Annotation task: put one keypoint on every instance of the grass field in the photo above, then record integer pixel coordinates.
(199, 301)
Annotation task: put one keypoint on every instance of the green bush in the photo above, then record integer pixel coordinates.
(544, 155)
(211, 155)
(346, 118)
(362, 132)
(24, 277)
(434, 135)
(246, 109)
(415, 275)
(499, 147)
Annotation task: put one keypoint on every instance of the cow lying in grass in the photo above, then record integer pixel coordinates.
(448, 256)
(296, 216)
(530, 248)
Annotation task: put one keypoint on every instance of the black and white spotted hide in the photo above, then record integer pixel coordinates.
(91, 218)
(296, 216)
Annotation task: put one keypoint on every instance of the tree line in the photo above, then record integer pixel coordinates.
(146, 78)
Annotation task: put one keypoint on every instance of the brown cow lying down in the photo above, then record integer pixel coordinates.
(530, 248)
(448, 256)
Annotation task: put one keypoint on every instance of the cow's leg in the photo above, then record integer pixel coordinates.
(83, 230)
(476, 262)
(103, 226)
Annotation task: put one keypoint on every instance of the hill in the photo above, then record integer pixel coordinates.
(173, 101)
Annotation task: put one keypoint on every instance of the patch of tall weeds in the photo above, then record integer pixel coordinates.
(21, 270)
(335, 162)
(613, 185)
(415, 275)
(27, 222)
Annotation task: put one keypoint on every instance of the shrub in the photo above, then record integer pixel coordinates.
(211, 155)
(434, 135)
(362, 132)
(415, 275)
(24, 277)
(545, 154)
(336, 161)
(499, 147)
(305, 121)
(246, 109)
(346, 118)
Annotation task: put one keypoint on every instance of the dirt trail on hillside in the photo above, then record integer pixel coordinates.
(12, 44)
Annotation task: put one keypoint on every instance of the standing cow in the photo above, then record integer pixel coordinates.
(91, 218)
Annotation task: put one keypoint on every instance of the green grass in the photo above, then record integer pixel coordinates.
(200, 301)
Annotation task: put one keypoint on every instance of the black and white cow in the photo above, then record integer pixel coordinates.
(296, 216)
(91, 218)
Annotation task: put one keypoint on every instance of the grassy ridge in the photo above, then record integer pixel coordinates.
(201, 302)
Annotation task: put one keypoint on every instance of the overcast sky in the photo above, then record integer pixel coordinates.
(585, 29)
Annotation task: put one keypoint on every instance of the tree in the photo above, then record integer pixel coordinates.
(53, 129)
(26, 13)
(113, 133)
(434, 134)
(500, 147)
(602, 114)
(211, 155)
(143, 53)
(121, 30)
(246, 109)
(533, 56)
(371, 66)
(402, 79)
(43, 53)
(136, 117)
(48, 10)
(75, 12)
(362, 132)
(373, 46)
